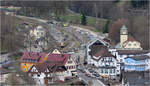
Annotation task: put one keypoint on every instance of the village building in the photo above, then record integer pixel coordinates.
(29, 59)
(37, 32)
(94, 46)
(127, 41)
(137, 63)
(41, 66)
(99, 56)
(122, 54)
(127, 47)
(41, 42)
(64, 59)
(47, 73)
(108, 64)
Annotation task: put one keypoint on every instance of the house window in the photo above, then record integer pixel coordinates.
(120, 60)
(106, 71)
(38, 75)
(110, 70)
(113, 70)
(117, 65)
(129, 44)
(101, 70)
(69, 61)
(134, 44)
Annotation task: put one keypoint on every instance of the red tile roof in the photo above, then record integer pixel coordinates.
(58, 58)
(32, 57)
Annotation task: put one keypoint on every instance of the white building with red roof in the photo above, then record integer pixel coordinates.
(56, 66)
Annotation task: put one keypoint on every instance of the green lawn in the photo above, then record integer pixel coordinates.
(75, 18)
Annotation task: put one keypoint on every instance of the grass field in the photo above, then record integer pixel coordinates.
(76, 19)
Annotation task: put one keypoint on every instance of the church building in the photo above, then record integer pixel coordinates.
(127, 41)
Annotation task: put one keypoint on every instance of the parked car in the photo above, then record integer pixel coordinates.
(87, 74)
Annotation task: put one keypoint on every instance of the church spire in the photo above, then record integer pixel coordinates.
(124, 27)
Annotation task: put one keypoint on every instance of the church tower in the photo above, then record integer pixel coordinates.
(123, 35)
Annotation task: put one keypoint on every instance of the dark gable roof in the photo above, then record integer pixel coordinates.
(96, 48)
(131, 52)
(141, 57)
(51, 67)
(107, 67)
(102, 53)
(44, 66)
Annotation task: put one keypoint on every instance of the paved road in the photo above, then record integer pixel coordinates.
(89, 80)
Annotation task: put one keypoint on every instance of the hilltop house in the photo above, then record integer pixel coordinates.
(41, 42)
(137, 63)
(37, 32)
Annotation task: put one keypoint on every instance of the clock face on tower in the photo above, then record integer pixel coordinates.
(124, 32)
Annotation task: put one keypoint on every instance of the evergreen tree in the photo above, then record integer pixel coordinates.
(83, 19)
(106, 29)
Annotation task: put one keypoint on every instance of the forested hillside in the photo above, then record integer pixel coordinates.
(102, 15)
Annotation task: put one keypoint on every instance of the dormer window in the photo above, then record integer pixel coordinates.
(129, 44)
(135, 44)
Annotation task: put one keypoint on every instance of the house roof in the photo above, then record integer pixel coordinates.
(141, 57)
(130, 38)
(60, 59)
(42, 67)
(52, 67)
(123, 27)
(3, 71)
(107, 67)
(96, 48)
(103, 52)
(32, 57)
(131, 52)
